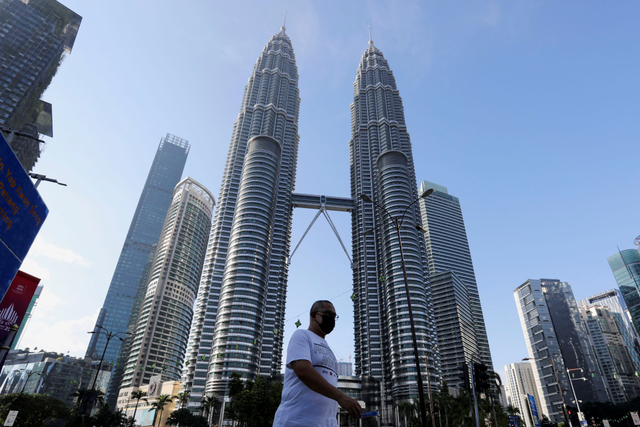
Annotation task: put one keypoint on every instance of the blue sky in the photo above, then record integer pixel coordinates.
(526, 111)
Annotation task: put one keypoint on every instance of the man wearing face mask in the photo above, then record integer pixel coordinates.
(310, 397)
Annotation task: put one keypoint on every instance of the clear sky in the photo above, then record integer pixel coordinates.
(528, 111)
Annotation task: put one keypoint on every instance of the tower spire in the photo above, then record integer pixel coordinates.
(370, 39)
(284, 28)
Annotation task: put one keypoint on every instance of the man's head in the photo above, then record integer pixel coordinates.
(322, 317)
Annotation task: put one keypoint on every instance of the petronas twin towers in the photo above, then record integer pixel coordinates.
(239, 317)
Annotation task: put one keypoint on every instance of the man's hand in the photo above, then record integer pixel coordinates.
(350, 405)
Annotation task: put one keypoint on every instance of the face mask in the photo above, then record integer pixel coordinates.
(328, 323)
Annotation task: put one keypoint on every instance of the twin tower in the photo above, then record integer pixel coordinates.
(238, 321)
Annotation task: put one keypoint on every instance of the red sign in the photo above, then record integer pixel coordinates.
(16, 301)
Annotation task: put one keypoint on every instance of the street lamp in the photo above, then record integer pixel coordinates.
(574, 390)
(433, 415)
(555, 371)
(397, 223)
(89, 400)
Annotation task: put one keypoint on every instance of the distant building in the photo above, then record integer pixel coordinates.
(162, 329)
(35, 36)
(140, 241)
(612, 353)
(625, 266)
(613, 300)
(145, 414)
(51, 374)
(27, 317)
(460, 326)
(345, 369)
(519, 383)
(555, 335)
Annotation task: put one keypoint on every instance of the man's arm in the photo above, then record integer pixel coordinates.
(312, 379)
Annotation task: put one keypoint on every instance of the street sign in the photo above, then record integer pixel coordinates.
(11, 418)
(22, 212)
(636, 419)
(370, 414)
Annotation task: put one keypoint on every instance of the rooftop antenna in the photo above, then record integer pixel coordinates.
(370, 39)
(284, 28)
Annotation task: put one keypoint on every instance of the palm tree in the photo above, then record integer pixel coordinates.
(84, 394)
(183, 398)
(208, 403)
(138, 395)
(512, 410)
(160, 403)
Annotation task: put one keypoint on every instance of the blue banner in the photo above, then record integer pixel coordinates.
(22, 212)
(514, 421)
(534, 411)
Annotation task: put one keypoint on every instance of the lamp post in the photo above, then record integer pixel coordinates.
(397, 223)
(555, 371)
(433, 415)
(89, 400)
(573, 390)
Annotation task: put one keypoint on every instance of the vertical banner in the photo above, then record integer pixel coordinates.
(22, 212)
(154, 385)
(15, 303)
(534, 410)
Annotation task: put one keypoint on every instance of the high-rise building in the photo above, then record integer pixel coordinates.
(613, 356)
(448, 250)
(239, 316)
(382, 168)
(519, 383)
(557, 341)
(144, 232)
(625, 266)
(457, 339)
(160, 341)
(36, 34)
(613, 300)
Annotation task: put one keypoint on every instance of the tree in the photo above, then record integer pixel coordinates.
(138, 395)
(184, 418)
(183, 398)
(209, 403)
(33, 409)
(513, 410)
(160, 403)
(83, 396)
(256, 404)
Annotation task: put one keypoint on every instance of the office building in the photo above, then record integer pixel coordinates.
(613, 300)
(625, 266)
(519, 383)
(36, 35)
(144, 232)
(345, 369)
(382, 168)
(239, 316)
(457, 338)
(162, 329)
(448, 250)
(50, 373)
(617, 367)
(556, 341)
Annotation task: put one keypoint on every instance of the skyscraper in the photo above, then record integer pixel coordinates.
(613, 300)
(520, 382)
(556, 341)
(613, 355)
(37, 33)
(239, 315)
(143, 234)
(625, 266)
(382, 168)
(448, 250)
(162, 328)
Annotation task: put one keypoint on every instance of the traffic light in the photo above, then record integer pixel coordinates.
(480, 377)
(464, 377)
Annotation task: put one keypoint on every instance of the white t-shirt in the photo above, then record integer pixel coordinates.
(301, 406)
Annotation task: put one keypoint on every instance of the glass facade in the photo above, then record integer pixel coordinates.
(269, 110)
(382, 167)
(35, 36)
(625, 266)
(141, 238)
(448, 250)
(162, 328)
